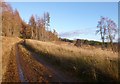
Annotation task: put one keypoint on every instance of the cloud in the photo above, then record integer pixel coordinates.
(70, 33)
(76, 33)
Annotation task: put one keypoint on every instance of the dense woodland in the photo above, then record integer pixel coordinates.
(38, 27)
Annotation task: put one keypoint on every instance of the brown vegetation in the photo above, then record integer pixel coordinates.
(11, 73)
(36, 70)
(95, 64)
(11, 21)
(14, 26)
(33, 70)
(7, 54)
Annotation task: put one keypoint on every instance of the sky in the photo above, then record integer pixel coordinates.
(71, 20)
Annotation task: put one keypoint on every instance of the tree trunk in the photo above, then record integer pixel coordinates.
(102, 38)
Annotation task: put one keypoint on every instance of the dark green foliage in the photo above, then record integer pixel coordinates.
(80, 42)
(94, 43)
(66, 40)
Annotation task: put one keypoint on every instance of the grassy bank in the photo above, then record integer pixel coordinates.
(89, 65)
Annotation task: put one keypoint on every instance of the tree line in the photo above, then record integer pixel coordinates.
(38, 28)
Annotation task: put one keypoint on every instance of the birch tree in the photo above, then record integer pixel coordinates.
(107, 28)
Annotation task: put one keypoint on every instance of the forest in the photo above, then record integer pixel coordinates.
(37, 28)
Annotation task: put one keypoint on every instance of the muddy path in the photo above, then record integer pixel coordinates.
(26, 66)
(31, 70)
(31, 62)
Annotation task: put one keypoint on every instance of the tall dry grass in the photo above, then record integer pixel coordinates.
(93, 64)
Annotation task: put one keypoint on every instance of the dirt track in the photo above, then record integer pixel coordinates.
(26, 66)
(23, 64)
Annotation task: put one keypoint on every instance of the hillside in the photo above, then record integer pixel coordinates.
(78, 60)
